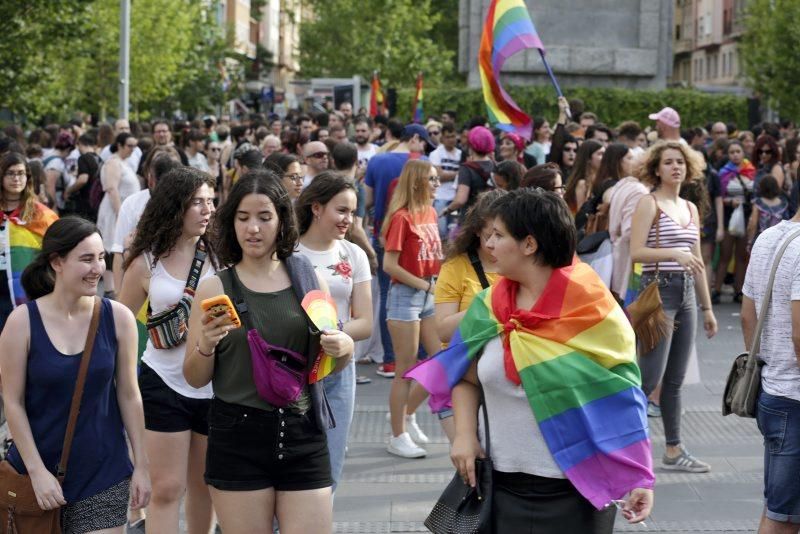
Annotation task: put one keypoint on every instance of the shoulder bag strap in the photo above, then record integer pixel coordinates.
(238, 297)
(485, 410)
(77, 396)
(657, 223)
(197, 268)
(768, 296)
(475, 260)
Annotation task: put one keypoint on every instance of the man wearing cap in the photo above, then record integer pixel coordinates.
(475, 176)
(668, 125)
(382, 170)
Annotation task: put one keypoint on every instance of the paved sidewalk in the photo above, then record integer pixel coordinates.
(381, 493)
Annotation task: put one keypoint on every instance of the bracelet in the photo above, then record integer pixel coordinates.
(197, 348)
(705, 308)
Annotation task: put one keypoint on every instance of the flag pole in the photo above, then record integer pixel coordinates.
(553, 79)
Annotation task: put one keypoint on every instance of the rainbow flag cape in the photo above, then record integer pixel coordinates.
(574, 355)
(727, 173)
(416, 107)
(375, 96)
(24, 241)
(507, 30)
(634, 284)
(321, 309)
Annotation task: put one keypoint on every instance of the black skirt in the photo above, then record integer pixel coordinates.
(530, 504)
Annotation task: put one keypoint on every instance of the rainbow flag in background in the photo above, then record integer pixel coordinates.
(416, 106)
(375, 96)
(507, 30)
(574, 355)
(24, 243)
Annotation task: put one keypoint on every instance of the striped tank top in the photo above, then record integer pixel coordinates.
(671, 235)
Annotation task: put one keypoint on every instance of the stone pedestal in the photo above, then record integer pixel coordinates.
(589, 43)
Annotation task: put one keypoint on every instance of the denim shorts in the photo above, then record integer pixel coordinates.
(779, 421)
(408, 304)
(251, 449)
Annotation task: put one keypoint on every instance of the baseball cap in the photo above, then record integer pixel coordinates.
(668, 116)
(416, 129)
(481, 140)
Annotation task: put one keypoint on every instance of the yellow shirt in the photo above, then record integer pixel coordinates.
(458, 282)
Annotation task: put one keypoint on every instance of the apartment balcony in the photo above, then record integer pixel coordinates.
(682, 46)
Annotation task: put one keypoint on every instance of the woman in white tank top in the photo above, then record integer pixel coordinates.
(665, 238)
(169, 246)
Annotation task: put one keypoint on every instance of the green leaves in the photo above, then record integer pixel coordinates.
(613, 106)
(397, 37)
(769, 52)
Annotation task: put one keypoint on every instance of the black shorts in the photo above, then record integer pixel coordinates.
(251, 449)
(166, 410)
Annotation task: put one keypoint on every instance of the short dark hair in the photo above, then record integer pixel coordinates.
(543, 176)
(511, 171)
(630, 130)
(252, 159)
(255, 182)
(448, 128)
(120, 140)
(543, 216)
(396, 128)
(345, 156)
(195, 135)
(768, 187)
(279, 162)
(87, 140)
(598, 127)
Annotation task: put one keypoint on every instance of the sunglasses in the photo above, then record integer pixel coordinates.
(318, 155)
(765, 151)
(213, 149)
(434, 132)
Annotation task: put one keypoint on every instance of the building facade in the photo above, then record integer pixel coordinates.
(705, 45)
(594, 43)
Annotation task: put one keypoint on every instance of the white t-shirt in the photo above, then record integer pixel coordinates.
(199, 161)
(364, 155)
(780, 375)
(128, 218)
(132, 161)
(448, 161)
(342, 266)
(57, 164)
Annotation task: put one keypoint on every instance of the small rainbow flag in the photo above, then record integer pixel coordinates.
(416, 107)
(507, 30)
(375, 96)
(574, 355)
(321, 309)
(24, 243)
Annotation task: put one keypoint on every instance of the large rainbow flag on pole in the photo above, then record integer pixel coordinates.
(574, 355)
(416, 106)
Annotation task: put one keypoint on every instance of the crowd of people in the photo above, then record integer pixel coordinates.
(405, 226)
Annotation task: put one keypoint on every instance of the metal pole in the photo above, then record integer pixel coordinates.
(124, 57)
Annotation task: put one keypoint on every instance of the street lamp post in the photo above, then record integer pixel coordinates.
(124, 57)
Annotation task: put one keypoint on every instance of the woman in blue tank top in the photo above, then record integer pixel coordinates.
(40, 352)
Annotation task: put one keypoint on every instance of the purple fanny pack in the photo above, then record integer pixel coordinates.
(279, 373)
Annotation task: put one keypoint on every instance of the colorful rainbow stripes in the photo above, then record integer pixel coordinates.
(416, 107)
(731, 170)
(574, 354)
(507, 30)
(24, 243)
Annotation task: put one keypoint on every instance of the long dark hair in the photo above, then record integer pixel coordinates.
(322, 189)
(162, 221)
(468, 237)
(580, 169)
(775, 158)
(38, 278)
(280, 162)
(254, 182)
(610, 166)
(27, 201)
(119, 141)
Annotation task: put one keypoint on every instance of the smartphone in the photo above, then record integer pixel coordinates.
(219, 306)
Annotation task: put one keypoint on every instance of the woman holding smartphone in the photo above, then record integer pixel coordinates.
(170, 251)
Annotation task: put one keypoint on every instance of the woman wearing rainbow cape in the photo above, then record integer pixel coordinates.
(736, 187)
(23, 222)
(555, 356)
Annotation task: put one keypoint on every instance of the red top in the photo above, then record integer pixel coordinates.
(416, 237)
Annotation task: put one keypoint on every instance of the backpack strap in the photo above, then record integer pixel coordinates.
(475, 260)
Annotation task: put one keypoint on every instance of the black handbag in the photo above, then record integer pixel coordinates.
(462, 509)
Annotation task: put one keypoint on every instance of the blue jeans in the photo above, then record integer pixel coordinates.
(779, 422)
(445, 221)
(667, 362)
(340, 389)
(384, 281)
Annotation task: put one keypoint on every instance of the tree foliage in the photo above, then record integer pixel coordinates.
(769, 53)
(348, 37)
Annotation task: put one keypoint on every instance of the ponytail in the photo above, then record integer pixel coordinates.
(38, 278)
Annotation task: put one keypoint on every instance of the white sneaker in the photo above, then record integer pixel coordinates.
(415, 431)
(405, 447)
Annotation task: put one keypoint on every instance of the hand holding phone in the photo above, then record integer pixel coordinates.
(219, 306)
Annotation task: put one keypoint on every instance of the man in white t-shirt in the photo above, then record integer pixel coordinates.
(123, 126)
(778, 408)
(446, 158)
(366, 150)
